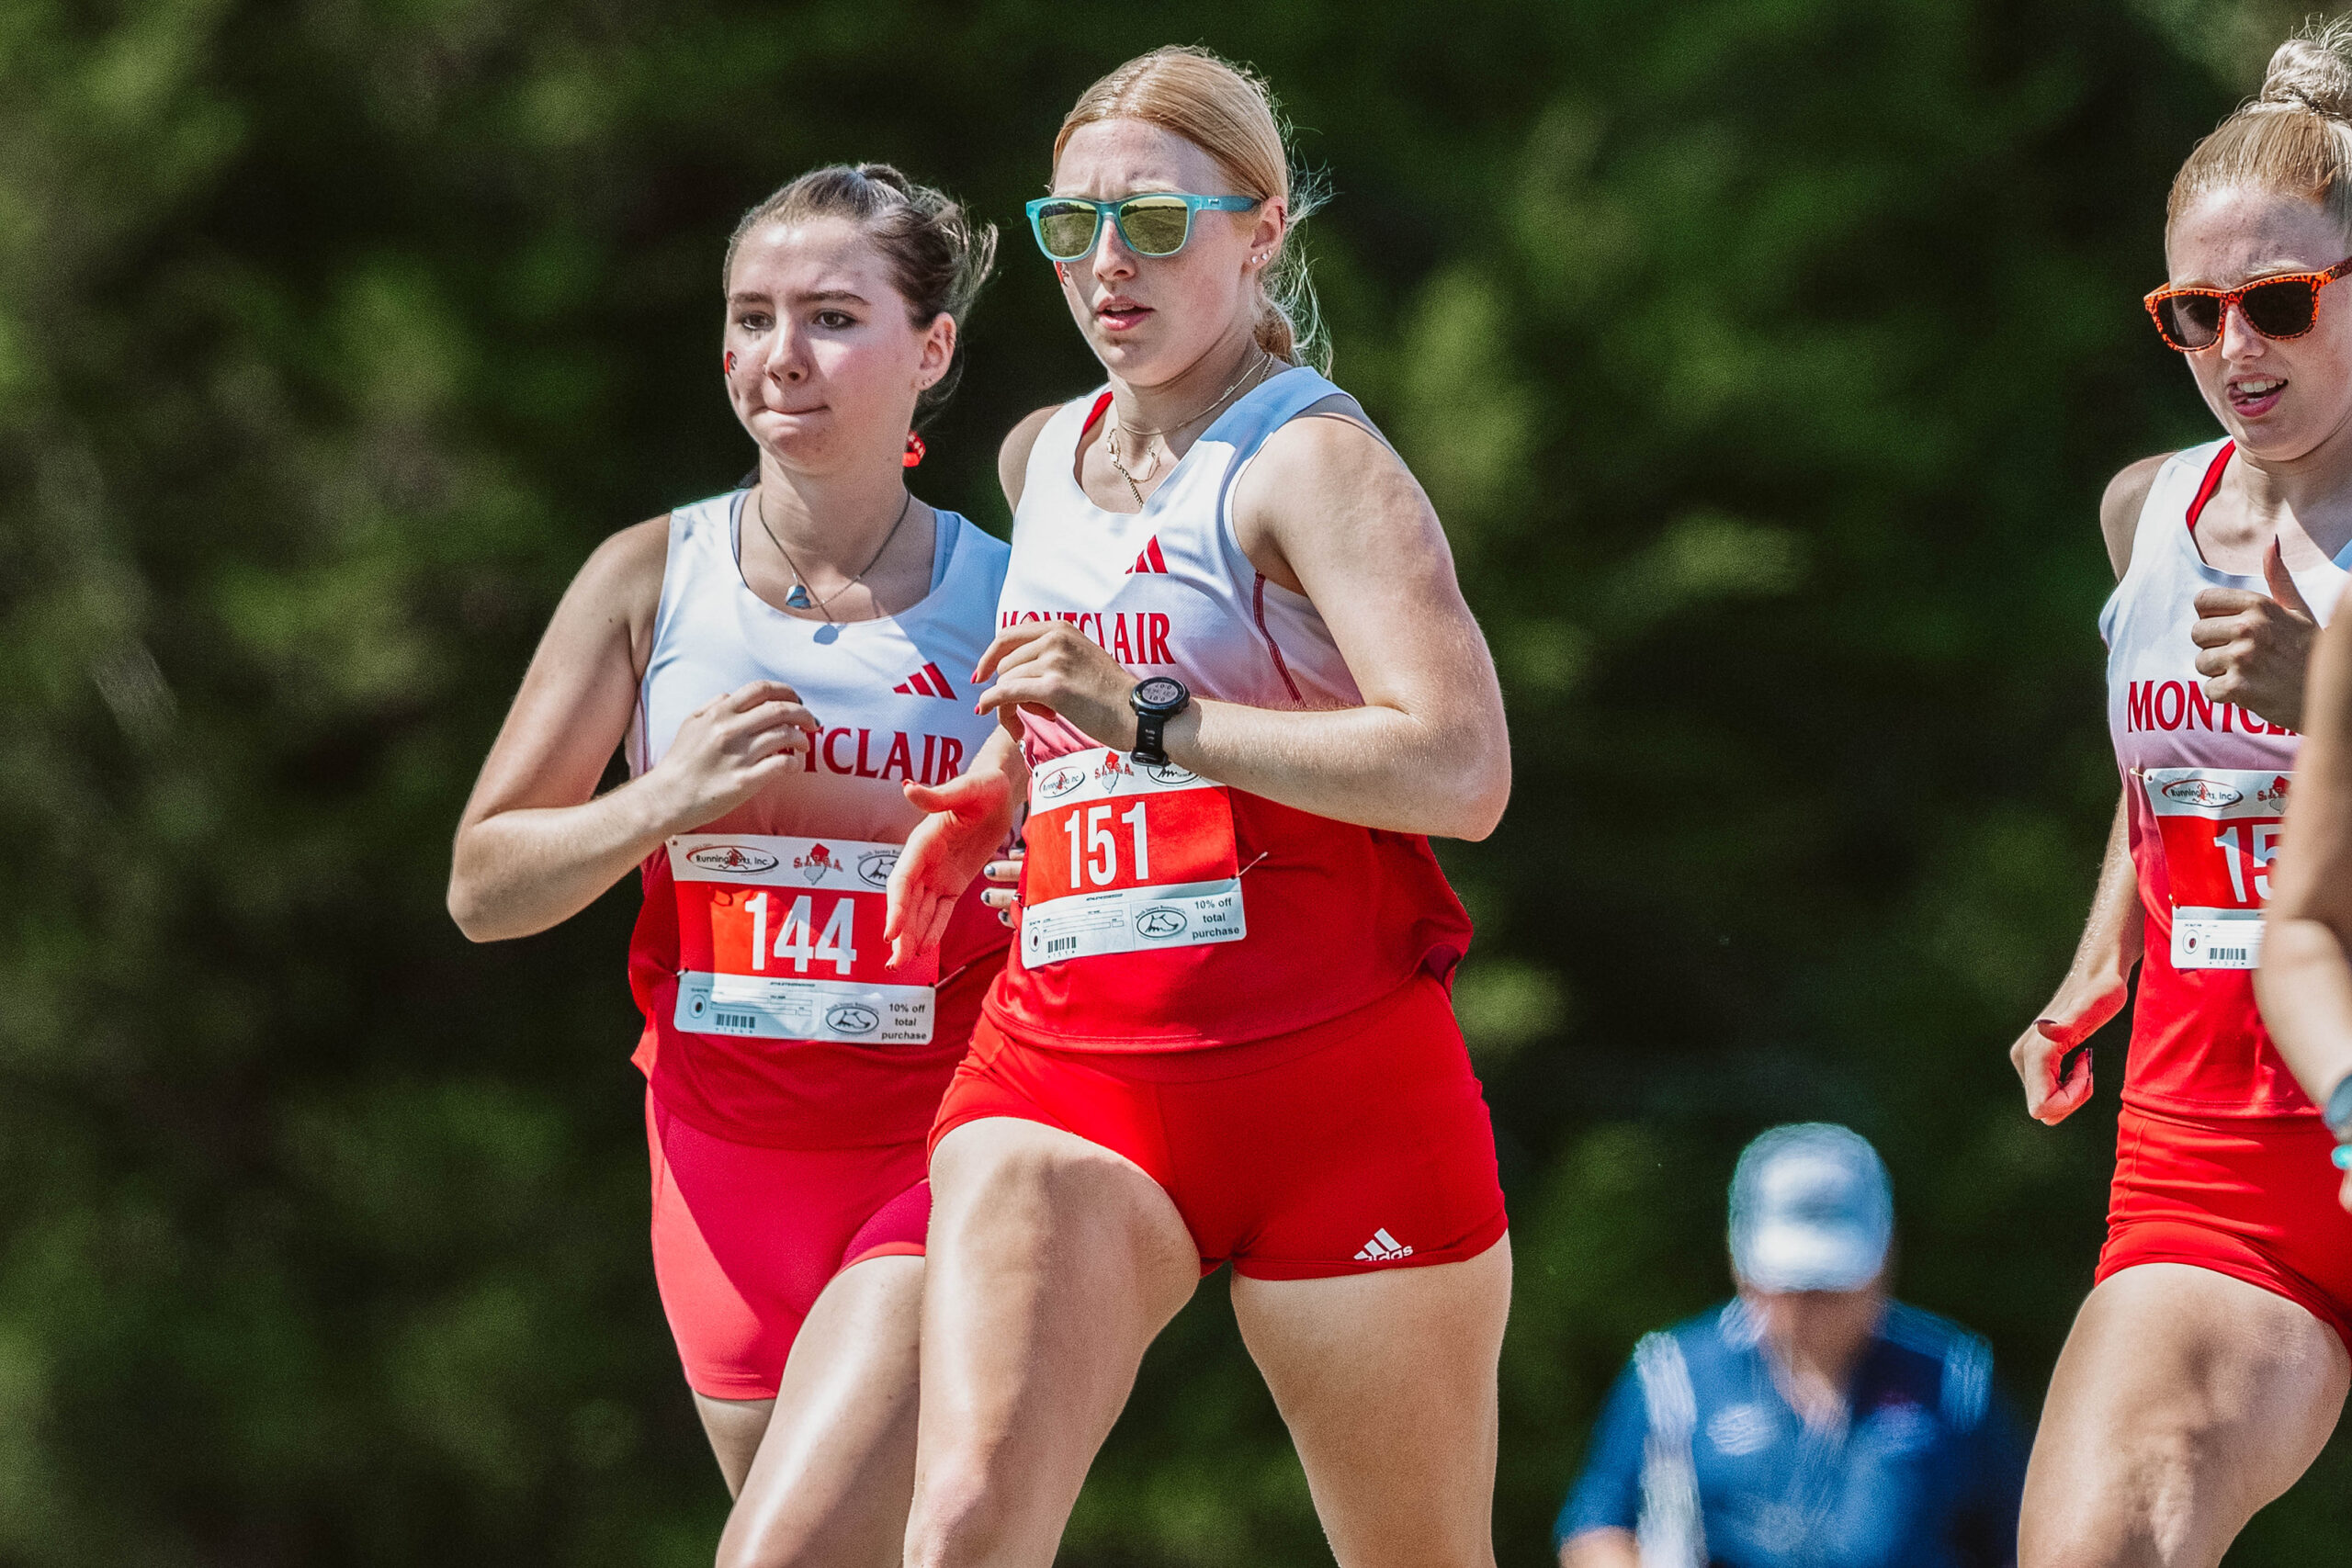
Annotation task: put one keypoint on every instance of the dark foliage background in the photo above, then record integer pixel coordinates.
(1765, 358)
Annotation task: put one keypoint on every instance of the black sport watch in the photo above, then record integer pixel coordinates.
(1156, 701)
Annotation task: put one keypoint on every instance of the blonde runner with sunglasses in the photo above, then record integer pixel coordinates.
(2209, 1364)
(1247, 689)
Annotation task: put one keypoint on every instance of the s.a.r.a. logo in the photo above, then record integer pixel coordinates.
(1060, 780)
(2211, 794)
(818, 863)
(851, 1017)
(874, 867)
(2275, 796)
(1113, 771)
(741, 859)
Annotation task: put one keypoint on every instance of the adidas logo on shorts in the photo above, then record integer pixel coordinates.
(1382, 1249)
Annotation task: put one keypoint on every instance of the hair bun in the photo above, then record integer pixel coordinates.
(2311, 70)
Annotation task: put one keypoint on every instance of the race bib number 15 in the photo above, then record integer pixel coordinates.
(1122, 857)
(782, 938)
(2221, 837)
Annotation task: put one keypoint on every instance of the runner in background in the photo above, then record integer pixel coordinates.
(2305, 981)
(1247, 687)
(2208, 1365)
(780, 662)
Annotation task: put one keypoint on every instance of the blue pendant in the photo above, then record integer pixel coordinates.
(799, 598)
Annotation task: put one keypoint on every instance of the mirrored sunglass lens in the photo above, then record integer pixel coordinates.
(2192, 320)
(1067, 229)
(2280, 309)
(1154, 226)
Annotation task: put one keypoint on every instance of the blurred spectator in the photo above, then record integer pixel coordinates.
(1809, 1421)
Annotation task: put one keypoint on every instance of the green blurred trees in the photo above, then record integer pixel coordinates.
(1764, 356)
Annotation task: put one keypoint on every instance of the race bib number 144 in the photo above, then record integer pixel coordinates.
(2220, 838)
(1122, 857)
(782, 938)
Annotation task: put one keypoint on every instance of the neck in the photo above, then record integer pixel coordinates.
(1814, 1357)
(1185, 399)
(2311, 495)
(830, 521)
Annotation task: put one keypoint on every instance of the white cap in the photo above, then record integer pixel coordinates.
(1811, 1210)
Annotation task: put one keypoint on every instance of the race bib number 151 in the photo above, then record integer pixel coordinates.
(2221, 837)
(782, 938)
(1122, 857)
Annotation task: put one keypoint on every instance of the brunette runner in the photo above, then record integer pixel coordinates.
(1247, 688)
(2208, 1365)
(782, 662)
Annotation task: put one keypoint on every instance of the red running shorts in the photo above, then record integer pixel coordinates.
(745, 1237)
(1358, 1145)
(2251, 1197)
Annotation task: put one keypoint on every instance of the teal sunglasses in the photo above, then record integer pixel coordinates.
(1154, 223)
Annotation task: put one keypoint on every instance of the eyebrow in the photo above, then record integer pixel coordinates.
(814, 297)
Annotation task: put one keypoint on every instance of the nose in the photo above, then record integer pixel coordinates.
(2239, 339)
(1112, 258)
(785, 359)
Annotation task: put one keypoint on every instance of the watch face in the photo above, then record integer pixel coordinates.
(1160, 692)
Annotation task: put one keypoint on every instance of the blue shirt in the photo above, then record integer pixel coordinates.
(1698, 1454)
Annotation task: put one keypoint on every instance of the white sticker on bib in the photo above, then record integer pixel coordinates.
(2220, 830)
(1122, 857)
(781, 939)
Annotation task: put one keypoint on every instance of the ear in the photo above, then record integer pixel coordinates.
(938, 351)
(1266, 235)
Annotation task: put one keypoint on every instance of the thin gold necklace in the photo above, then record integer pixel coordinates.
(1111, 434)
(802, 593)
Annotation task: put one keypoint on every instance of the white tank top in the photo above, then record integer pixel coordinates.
(894, 693)
(2206, 787)
(1168, 588)
(1219, 918)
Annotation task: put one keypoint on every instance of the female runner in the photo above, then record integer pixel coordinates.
(1247, 686)
(776, 659)
(2209, 1364)
(2305, 981)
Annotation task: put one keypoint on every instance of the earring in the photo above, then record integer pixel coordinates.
(1061, 270)
(730, 362)
(914, 451)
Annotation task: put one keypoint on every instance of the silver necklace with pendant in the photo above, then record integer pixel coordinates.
(1111, 434)
(802, 596)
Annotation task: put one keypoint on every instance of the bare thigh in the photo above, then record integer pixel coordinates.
(835, 1461)
(2184, 1401)
(1053, 1263)
(1388, 1384)
(734, 1428)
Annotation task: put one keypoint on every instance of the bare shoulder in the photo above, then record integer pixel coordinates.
(1325, 489)
(1328, 449)
(2120, 508)
(624, 573)
(1013, 458)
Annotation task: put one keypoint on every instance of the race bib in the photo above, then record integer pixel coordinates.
(2221, 834)
(1123, 857)
(782, 938)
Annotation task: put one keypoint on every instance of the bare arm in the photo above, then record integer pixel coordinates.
(1609, 1548)
(1013, 458)
(536, 844)
(1331, 509)
(2096, 984)
(2305, 981)
(2114, 932)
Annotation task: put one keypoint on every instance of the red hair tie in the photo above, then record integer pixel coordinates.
(914, 451)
